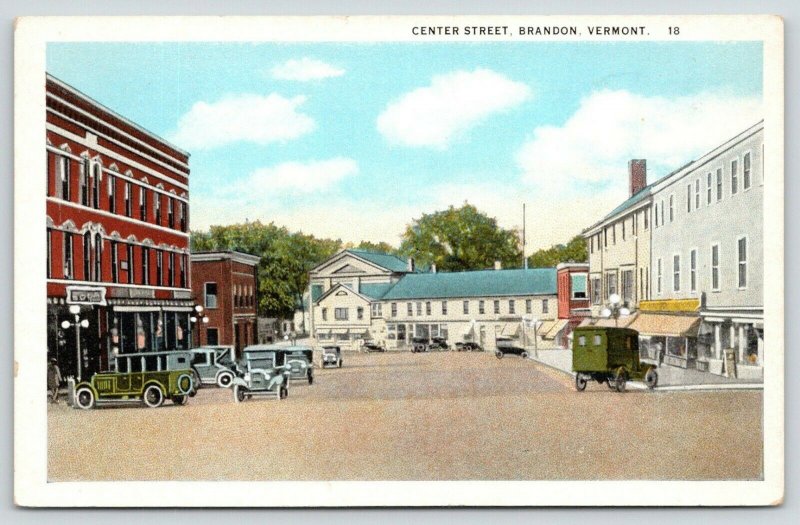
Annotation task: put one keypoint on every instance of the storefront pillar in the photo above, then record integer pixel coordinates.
(742, 342)
(717, 341)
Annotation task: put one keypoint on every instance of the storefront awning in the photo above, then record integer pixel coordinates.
(557, 326)
(510, 330)
(544, 328)
(666, 324)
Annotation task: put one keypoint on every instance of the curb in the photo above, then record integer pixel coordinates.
(635, 385)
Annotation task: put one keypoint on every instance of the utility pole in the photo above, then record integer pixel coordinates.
(524, 259)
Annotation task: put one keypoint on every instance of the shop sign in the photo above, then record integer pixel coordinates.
(182, 294)
(133, 293)
(86, 295)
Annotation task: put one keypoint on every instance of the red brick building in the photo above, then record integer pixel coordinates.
(573, 301)
(117, 234)
(226, 284)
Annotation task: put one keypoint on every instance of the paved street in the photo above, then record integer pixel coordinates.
(410, 416)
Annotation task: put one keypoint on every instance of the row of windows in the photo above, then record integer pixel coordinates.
(159, 209)
(122, 260)
(243, 296)
(628, 226)
(714, 189)
(425, 308)
(627, 288)
(715, 268)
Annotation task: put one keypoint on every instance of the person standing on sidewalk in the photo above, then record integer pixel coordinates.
(53, 380)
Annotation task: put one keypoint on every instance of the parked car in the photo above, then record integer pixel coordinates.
(331, 357)
(468, 346)
(419, 344)
(213, 365)
(373, 346)
(300, 360)
(609, 355)
(148, 377)
(438, 343)
(506, 345)
(261, 375)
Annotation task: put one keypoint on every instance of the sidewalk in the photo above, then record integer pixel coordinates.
(669, 377)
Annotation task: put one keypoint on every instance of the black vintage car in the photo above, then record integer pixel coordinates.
(419, 344)
(438, 343)
(370, 345)
(468, 346)
(506, 345)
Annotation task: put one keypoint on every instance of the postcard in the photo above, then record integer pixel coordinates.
(399, 261)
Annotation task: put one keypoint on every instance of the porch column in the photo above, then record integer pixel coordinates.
(742, 342)
(732, 337)
(717, 341)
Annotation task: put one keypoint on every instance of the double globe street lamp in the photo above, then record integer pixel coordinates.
(198, 308)
(78, 324)
(615, 309)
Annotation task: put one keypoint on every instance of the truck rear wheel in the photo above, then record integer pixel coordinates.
(651, 378)
(620, 379)
(580, 382)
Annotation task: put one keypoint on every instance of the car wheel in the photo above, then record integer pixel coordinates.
(310, 378)
(340, 363)
(524, 355)
(651, 378)
(580, 382)
(197, 383)
(239, 393)
(498, 354)
(284, 392)
(620, 378)
(153, 396)
(84, 398)
(224, 380)
(180, 400)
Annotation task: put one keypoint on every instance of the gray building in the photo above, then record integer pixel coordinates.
(706, 260)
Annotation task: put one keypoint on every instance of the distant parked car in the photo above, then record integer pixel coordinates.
(419, 344)
(147, 377)
(331, 357)
(373, 346)
(261, 375)
(506, 345)
(468, 346)
(213, 365)
(438, 343)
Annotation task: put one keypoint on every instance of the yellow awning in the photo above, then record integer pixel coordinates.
(666, 324)
(556, 327)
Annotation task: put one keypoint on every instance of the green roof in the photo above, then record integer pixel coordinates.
(484, 283)
(376, 290)
(384, 260)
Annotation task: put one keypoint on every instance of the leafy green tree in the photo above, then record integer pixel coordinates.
(458, 239)
(378, 247)
(573, 251)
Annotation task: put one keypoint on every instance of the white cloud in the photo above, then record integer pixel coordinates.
(432, 116)
(298, 177)
(305, 69)
(243, 118)
(611, 127)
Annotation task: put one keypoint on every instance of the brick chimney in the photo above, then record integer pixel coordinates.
(637, 175)
(498, 265)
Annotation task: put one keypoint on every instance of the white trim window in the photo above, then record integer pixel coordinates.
(671, 208)
(746, 171)
(676, 273)
(697, 194)
(719, 184)
(142, 203)
(545, 306)
(596, 290)
(157, 208)
(394, 309)
(693, 270)
(145, 265)
(444, 307)
(734, 176)
(662, 213)
(715, 267)
(466, 307)
(112, 194)
(741, 251)
(97, 177)
(83, 182)
(496, 306)
(410, 309)
(481, 307)
(62, 190)
(708, 188)
(68, 256)
(688, 198)
(658, 277)
(128, 200)
(512, 306)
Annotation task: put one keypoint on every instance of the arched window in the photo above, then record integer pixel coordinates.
(96, 175)
(98, 257)
(87, 256)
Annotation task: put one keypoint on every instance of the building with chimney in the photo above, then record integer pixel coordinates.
(619, 247)
(225, 283)
(358, 295)
(573, 303)
(117, 235)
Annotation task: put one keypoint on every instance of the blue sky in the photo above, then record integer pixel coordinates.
(355, 140)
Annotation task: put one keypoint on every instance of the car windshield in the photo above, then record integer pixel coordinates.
(262, 362)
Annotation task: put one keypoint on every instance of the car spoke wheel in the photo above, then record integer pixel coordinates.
(84, 398)
(224, 380)
(153, 397)
(498, 354)
(239, 393)
(651, 378)
(580, 382)
(180, 400)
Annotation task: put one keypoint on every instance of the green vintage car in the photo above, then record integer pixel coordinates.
(148, 377)
(609, 355)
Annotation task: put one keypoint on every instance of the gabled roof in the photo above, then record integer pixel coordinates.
(483, 283)
(384, 260)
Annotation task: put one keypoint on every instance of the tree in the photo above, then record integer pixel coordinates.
(458, 239)
(573, 251)
(378, 247)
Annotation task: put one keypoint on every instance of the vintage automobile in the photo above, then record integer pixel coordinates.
(213, 365)
(468, 346)
(438, 343)
(506, 345)
(609, 355)
(419, 344)
(148, 377)
(300, 360)
(261, 375)
(331, 357)
(370, 345)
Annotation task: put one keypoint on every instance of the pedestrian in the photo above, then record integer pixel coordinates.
(53, 380)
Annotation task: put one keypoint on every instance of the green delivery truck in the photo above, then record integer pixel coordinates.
(609, 355)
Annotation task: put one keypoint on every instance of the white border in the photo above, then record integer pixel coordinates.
(31, 487)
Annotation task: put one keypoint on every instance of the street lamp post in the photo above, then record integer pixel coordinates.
(198, 308)
(79, 323)
(614, 309)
